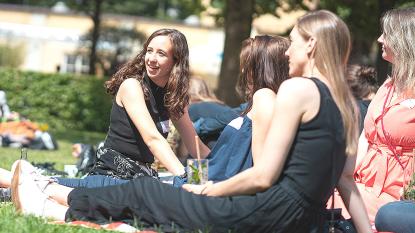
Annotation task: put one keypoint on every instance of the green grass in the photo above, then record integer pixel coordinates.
(10, 221)
(61, 156)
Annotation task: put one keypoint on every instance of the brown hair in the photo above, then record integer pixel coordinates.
(331, 54)
(263, 64)
(176, 97)
(362, 80)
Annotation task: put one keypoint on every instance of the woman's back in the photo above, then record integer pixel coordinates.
(309, 164)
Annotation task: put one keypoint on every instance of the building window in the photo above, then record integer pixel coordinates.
(75, 63)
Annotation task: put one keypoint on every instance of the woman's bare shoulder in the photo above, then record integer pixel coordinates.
(299, 87)
(263, 94)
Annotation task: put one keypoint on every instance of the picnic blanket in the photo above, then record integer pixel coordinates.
(114, 226)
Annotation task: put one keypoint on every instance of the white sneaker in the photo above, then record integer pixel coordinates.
(26, 195)
(27, 168)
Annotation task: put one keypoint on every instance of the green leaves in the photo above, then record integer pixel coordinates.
(409, 191)
(11, 55)
(195, 177)
(60, 100)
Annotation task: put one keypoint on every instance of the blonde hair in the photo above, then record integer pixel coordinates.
(331, 55)
(399, 32)
(199, 91)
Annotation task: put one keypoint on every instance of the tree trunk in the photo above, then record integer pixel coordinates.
(96, 19)
(238, 23)
(382, 66)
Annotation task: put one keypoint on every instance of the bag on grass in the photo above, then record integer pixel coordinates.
(338, 222)
(86, 160)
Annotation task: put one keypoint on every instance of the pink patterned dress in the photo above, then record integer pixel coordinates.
(389, 162)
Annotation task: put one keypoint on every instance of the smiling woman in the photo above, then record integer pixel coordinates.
(149, 91)
(159, 60)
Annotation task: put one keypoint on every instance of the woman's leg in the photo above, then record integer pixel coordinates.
(58, 193)
(29, 199)
(396, 217)
(92, 181)
(148, 202)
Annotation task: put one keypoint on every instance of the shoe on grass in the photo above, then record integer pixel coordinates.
(35, 173)
(25, 193)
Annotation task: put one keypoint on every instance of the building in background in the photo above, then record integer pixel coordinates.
(50, 39)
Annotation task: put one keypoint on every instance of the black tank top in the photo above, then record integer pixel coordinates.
(318, 145)
(124, 137)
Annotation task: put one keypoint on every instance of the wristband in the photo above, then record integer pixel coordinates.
(183, 176)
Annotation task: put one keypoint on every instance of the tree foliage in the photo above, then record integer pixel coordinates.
(260, 7)
(11, 55)
(114, 47)
(60, 100)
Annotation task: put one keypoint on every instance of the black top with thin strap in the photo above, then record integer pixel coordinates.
(124, 137)
(316, 143)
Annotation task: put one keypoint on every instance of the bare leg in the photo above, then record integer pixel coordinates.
(58, 192)
(5, 178)
(54, 210)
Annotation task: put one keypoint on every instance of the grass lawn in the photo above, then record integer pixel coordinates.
(12, 222)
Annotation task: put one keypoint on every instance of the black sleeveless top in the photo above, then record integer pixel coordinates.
(124, 137)
(318, 148)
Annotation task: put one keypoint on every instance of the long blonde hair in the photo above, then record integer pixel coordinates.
(331, 55)
(399, 32)
(199, 91)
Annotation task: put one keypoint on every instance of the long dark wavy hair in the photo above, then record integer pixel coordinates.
(263, 64)
(176, 97)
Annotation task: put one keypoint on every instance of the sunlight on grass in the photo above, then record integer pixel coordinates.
(10, 221)
(61, 156)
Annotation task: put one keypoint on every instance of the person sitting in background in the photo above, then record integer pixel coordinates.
(203, 106)
(5, 113)
(363, 82)
(387, 142)
(4, 108)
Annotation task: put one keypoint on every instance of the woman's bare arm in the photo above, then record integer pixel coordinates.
(187, 132)
(131, 96)
(261, 115)
(351, 196)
